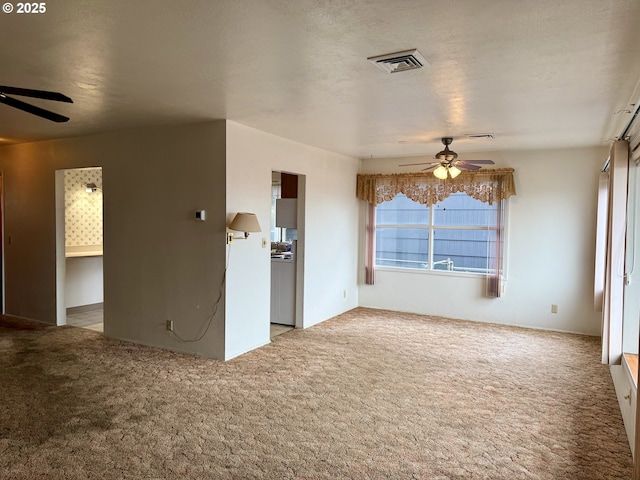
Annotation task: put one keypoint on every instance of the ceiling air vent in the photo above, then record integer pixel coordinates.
(399, 61)
(488, 136)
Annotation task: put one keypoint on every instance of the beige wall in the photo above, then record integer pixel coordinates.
(159, 263)
(551, 247)
(329, 228)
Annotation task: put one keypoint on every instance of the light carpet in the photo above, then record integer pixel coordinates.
(366, 395)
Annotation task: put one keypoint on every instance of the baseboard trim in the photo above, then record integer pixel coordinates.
(85, 308)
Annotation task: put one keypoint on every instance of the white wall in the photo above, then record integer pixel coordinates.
(83, 283)
(159, 263)
(330, 233)
(550, 249)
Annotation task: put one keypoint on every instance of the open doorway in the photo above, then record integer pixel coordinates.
(287, 251)
(79, 206)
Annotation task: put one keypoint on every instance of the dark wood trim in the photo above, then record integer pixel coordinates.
(289, 185)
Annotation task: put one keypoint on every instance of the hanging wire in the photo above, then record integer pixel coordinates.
(214, 309)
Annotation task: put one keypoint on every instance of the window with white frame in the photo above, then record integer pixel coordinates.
(458, 234)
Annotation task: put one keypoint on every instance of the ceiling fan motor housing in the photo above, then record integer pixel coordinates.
(446, 155)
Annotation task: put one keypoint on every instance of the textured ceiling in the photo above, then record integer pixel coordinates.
(543, 74)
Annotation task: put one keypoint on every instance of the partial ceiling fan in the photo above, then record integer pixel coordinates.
(27, 107)
(447, 163)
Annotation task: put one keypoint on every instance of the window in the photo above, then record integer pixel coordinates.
(457, 234)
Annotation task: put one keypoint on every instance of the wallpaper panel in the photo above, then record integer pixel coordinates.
(83, 210)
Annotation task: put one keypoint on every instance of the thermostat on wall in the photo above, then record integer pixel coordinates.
(201, 215)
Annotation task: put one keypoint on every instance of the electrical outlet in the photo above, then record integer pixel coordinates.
(264, 242)
(554, 308)
(344, 294)
(170, 325)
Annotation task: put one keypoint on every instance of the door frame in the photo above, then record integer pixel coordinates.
(60, 234)
(300, 249)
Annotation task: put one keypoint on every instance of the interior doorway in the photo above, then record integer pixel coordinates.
(287, 251)
(79, 248)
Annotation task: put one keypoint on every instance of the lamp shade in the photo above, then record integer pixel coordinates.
(440, 172)
(245, 222)
(454, 171)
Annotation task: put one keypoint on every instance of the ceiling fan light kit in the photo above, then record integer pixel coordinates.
(448, 165)
(442, 172)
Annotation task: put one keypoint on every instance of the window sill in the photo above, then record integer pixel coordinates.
(631, 361)
(446, 273)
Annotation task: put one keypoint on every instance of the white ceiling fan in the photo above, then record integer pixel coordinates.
(447, 163)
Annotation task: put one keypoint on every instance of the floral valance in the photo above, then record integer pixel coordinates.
(488, 186)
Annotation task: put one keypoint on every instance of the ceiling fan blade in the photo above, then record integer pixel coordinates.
(480, 162)
(468, 166)
(429, 169)
(27, 92)
(26, 107)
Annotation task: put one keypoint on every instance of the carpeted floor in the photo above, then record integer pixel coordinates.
(367, 395)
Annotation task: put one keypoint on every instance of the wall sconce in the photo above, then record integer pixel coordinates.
(91, 187)
(243, 222)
